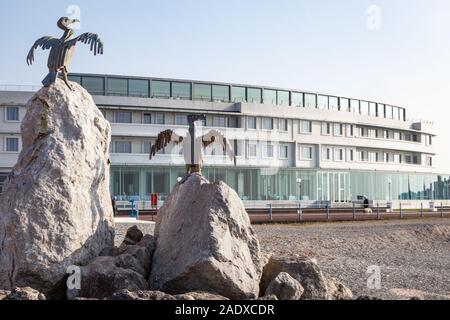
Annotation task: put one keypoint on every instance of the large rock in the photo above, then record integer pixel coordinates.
(106, 275)
(147, 295)
(205, 242)
(56, 209)
(284, 287)
(316, 284)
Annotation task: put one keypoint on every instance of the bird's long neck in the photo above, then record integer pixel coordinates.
(67, 34)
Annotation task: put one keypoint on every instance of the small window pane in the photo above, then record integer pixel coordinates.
(283, 98)
(159, 118)
(238, 94)
(251, 150)
(76, 79)
(117, 87)
(305, 127)
(181, 90)
(389, 113)
(146, 147)
(333, 102)
(160, 89)
(94, 85)
(322, 102)
(181, 120)
(267, 123)
(251, 123)
(138, 88)
(283, 125)
(364, 108)
(12, 114)
(12, 144)
(372, 109)
(221, 93)
(344, 104)
(123, 117)
(123, 147)
(297, 99)
(220, 122)
(284, 152)
(270, 97)
(354, 105)
(306, 153)
(310, 101)
(254, 95)
(202, 92)
(147, 118)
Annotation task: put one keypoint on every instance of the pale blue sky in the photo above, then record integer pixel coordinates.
(321, 45)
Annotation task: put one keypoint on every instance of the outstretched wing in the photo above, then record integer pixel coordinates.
(45, 43)
(215, 135)
(91, 39)
(164, 138)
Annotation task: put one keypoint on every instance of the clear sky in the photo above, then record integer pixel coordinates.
(396, 52)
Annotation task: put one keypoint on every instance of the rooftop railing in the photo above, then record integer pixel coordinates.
(19, 87)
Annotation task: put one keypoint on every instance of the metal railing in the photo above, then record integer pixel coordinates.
(19, 87)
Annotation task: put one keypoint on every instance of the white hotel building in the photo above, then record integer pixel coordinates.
(289, 144)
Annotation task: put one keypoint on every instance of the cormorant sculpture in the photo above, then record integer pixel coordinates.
(193, 144)
(61, 50)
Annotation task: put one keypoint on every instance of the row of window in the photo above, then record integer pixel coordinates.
(228, 93)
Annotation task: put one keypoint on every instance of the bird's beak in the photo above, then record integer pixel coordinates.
(71, 22)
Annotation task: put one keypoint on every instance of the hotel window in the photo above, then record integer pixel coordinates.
(181, 90)
(3, 177)
(117, 87)
(221, 93)
(267, 123)
(270, 96)
(351, 130)
(372, 133)
(364, 108)
(372, 109)
(361, 131)
(380, 110)
(326, 127)
(351, 155)
(327, 154)
(396, 135)
(181, 120)
(344, 104)
(122, 147)
(284, 152)
(305, 126)
(146, 147)
(268, 150)
(306, 153)
(159, 118)
(283, 123)
(220, 122)
(297, 99)
(123, 117)
(415, 159)
(283, 98)
(363, 156)
(397, 158)
(430, 140)
(94, 85)
(322, 102)
(386, 134)
(254, 95)
(338, 129)
(429, 161)
(389, 112)
(147, 118)
(251, 150)
(251, 122)
(12, 114)
(339, 154)
(354, 105)
(333, 103)
(310, 100)
(138, 88)
(160, 89)
(202, 92)
(373, 156)
(12, 144)
(408, 159)
(238, 94)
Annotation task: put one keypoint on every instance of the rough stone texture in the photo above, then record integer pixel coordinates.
(3, 294)
(26, 293)
(205, 242)
(284, 287)
(133, 236)
(146, 295)
(202, 295)
(317, 285)
(106, 275)
(56, 209)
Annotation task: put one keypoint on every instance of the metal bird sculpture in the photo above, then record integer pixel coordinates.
(193, 144)
(62, 50)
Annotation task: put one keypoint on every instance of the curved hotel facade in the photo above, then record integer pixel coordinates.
(289, 144)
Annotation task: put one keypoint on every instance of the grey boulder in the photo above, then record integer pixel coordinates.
(26, 293)
(205, 242)
(284, 287)
(55, 210)
(316, 284)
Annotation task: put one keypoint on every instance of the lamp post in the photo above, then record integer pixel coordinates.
(389, 189)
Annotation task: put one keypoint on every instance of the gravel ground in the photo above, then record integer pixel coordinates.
(414, 255)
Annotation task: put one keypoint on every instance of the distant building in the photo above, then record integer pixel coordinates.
(290, 144)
